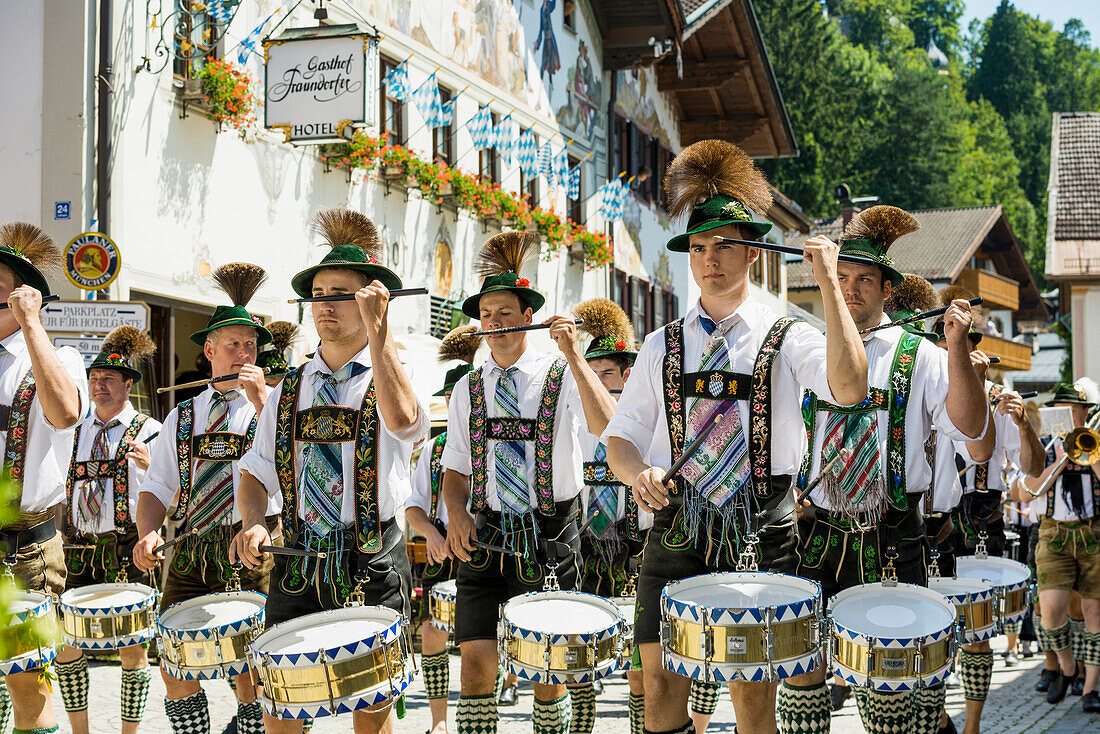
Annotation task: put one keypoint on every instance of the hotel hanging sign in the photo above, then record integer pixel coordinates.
(320, 82)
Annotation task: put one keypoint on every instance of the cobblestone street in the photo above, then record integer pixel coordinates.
(1013, 707)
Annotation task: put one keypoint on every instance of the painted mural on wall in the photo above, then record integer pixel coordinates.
(637, 99)
(581, 111)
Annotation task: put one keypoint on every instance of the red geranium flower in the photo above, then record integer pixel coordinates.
(115, 355)
(620, 345)
(523, 283)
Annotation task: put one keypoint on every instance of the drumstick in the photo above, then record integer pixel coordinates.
(693, 447)
(45, 299)
(281, 550)
(497, 548)
(75, 546)
(1023, 395)
(351, 296)
(994, 360)
(918, 317)
(179, 538)
(514, 329)
(204, 381)
(817, 480)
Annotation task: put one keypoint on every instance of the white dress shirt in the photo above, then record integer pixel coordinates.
(394, 449)
(588, 446)
(927, 407)
(105, 521)
(48, 448)
(163, 478)
(948, 490)
(640, 416)
(566, 455)
(1063, 512)
(1006, 451)
(422, 485)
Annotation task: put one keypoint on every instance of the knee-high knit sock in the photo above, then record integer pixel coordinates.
(437, 674)
(636, 707)
(477, 714)
(1090, 649)
(41, 730)
(803, 708)
(688, 728)
(250, 718)
(1060, 638)
(975, 672)
(72, 679)
(884, 713)
(135, 692)
(704, 697)
(928, 709)
(552, 717)
(189, 715)
(1013, 628)
(1042, 636)
(583, 700)
(1076, 637)
(5, 706)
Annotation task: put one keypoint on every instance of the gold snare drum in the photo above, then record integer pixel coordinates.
(208, 636)
(441, 604)
(109, 616)
(28, 633)
(975, 601)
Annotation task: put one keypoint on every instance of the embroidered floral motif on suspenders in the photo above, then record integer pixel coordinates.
(116, 469)
(981, 471)
(435, 473)
(15, 453)
(185, 422)
(368, 536)
(482, 428)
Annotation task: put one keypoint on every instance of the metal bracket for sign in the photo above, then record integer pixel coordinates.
(186, 24)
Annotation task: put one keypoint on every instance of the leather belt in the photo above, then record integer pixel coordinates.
(12, 541)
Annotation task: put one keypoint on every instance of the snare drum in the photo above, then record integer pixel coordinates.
(557, 637)
(441, 604)
(1011, 580)
(626, 632)
(741, 626)
(28, 633)
(333, 662)
(109, 616)
(207, 637)
(892, 637)
(975, 601)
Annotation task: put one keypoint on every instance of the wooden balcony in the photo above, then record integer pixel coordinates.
(1014, 355)
(997, 290)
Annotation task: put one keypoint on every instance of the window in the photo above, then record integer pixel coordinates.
(642, 157)
(576, 206)
(529, 187)
(194, 41)
(393, 109)
(622, 144)
(488, 163)
(568, 14)
(774, 264)
(639, 306)
(756, 271)
(672, 306)
(443, 140)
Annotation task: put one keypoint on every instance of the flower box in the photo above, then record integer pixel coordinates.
(392, 173)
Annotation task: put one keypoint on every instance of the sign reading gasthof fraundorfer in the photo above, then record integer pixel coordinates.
(320, 80)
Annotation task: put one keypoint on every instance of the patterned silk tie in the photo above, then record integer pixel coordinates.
(93, 491)
(855, 437)
(322, 480)
(214, 479)
(511, 456)
(604, 499)
(720, 469)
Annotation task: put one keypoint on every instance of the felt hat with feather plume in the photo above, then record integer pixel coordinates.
(29, 251)
(872, 231)
(459, 344)
(355, 246)
(499, 262)
(239, 281)
(610, 328)
(274, 359)
(953, 293)
(913, 296)
(718, 184)
(1075, 394)
(123, 350)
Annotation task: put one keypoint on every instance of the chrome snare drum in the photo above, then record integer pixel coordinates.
(626, 635)
(975, 601)
(741, 626)
(333, 662)
(441, 604)
(896, 637)
(28, 633)
(109, 616)
(557, 637)
(208, 636)
(1011, 580)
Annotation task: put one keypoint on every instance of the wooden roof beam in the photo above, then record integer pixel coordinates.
(699, 74)
(735, 128)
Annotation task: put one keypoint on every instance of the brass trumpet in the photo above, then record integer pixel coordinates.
(1082, 447)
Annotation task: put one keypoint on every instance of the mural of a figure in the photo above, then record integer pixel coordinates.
(550, 60)
(585, 90)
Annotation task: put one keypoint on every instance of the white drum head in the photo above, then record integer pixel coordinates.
(212, 610)
(324, 630)
(106, 596)
(561, 613)
(445, 589)
(959, 586)
(997, 571)
(741, 590)
(901, 611)
(25, 601)
(626, 606)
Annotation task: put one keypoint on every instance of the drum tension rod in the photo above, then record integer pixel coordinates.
(328, 680)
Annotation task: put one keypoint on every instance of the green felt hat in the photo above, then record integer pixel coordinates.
(232, 316)
(609, 346)
(117, 362)
(1069, 394)
(27, 250)
(871, 233)
(452, 377)
(500, 261)
(875, 252)
(715, 212)
(940, 332)
(504, 282)
(345, 257)
(913, 328)
(275, 362)
(274, 359)
(122, 350)
(239, 281)
(355, 246)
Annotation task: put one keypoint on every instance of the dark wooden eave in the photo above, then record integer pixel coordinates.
(627, 25)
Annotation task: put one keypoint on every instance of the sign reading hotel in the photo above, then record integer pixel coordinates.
(319, 80)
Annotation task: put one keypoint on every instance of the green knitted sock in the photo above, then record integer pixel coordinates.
(884, 713)
(1060, 638)
(928, 709)
(803, 708)
(135, 692)
(5, 706)
(72, 679)
(704, 697)
(552, 717)
(437, 674)
(477, 714)
(583, 701)
(975, 672)
(189, 715)
(636, 707)
(250, 718)
(1076, 637)
(1090, 649)
(41, 730)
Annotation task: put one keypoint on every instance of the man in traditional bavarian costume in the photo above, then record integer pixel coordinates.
(512, 454)
(195, 467)
(615, 528)
(274, 360)
(1067, 557)
(869, 500)
(43, 395)
(427, 514)
(733, 506)
(108, 464)
(335, 442)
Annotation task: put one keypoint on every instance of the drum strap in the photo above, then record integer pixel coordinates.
(18, 426)
(368, 536)
(185, 443)
(117, 469)
(540, 430)
(435, 469)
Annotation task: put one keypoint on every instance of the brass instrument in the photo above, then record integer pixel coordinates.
(1082, 447)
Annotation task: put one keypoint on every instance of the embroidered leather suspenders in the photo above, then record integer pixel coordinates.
(18, 423)
(116, 469)
(435, 473)
(211, 446)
